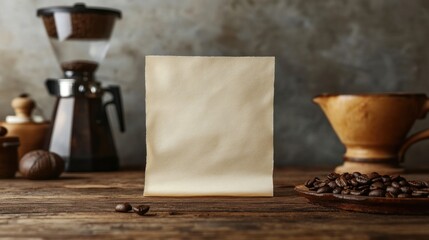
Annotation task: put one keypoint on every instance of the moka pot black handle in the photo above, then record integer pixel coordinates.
(115, 91)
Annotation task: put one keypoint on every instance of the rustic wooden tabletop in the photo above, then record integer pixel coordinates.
(80, 206)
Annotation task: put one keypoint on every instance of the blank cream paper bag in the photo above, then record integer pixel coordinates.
(209, 126)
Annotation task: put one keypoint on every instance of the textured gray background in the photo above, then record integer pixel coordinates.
(320, 46)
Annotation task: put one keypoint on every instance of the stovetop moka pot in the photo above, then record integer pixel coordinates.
(80, 130)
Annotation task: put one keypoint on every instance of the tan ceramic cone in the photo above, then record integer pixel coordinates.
(373, 128)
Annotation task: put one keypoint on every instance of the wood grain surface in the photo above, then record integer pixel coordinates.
(81, 206)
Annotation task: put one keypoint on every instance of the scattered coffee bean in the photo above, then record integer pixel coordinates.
(141, 209)
(373, 185)
(123, 207)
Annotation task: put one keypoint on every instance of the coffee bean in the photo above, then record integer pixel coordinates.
(376, 185)
(313, 188)
(337, 190)
(123, 207)
(345, 192)
(355, 192)
(396, 185)
(141, 209)
(324, 189)
(393, 190)
(374, 175)
(418, 193)
(363, 179)
(377, 193)
(348, 176)
(341, 181)
(404, 195)
(354, 182)
(319, 184)
(355, 174)
(385, 178)
(417, 184)
(309, 183)
(332, 184)
(403, 183)
(333, 176)
(362, 187)
(425, 184)
(390, 195)
(378, 179)
(405, 189)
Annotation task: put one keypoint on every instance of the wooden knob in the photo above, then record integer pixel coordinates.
(3, 131)
(23, 106)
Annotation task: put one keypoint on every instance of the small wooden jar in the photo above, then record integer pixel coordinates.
(8, 154)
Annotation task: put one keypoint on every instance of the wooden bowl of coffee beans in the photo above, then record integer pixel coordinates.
(372, 193)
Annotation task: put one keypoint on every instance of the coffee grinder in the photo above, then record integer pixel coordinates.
(80, 130)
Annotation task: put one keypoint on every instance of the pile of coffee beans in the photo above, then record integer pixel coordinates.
(126, 207)
(373, 185)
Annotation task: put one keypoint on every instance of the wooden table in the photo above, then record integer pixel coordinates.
(82, 206)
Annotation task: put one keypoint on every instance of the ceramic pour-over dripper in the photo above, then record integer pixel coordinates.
(374, 127)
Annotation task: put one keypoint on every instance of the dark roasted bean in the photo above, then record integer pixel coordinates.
(333, 176)
(348, 176)
(403, 183)
(416, 184)
(377, 185)
(332, 184)
(337, 190)
(418, 193)
(425, 184)
(355, 174)
(396, 185)
(405, 189)
(342, 181)
(324, 189)
(393, 190)
(354, 182)
(378, 179)
(309, 183)
(355, 192)
(390, 195)
(404, 195)
(123, 207)
(319, 184)
(374, 175)
(141, 209)
(385, 178)
(377, 193)
(363, 179)
(362, 187)
(345, 192)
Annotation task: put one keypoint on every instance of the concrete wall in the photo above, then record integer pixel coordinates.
(320, 46)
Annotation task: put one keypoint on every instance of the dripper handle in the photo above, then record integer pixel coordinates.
(416, 137)
(117, 101)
